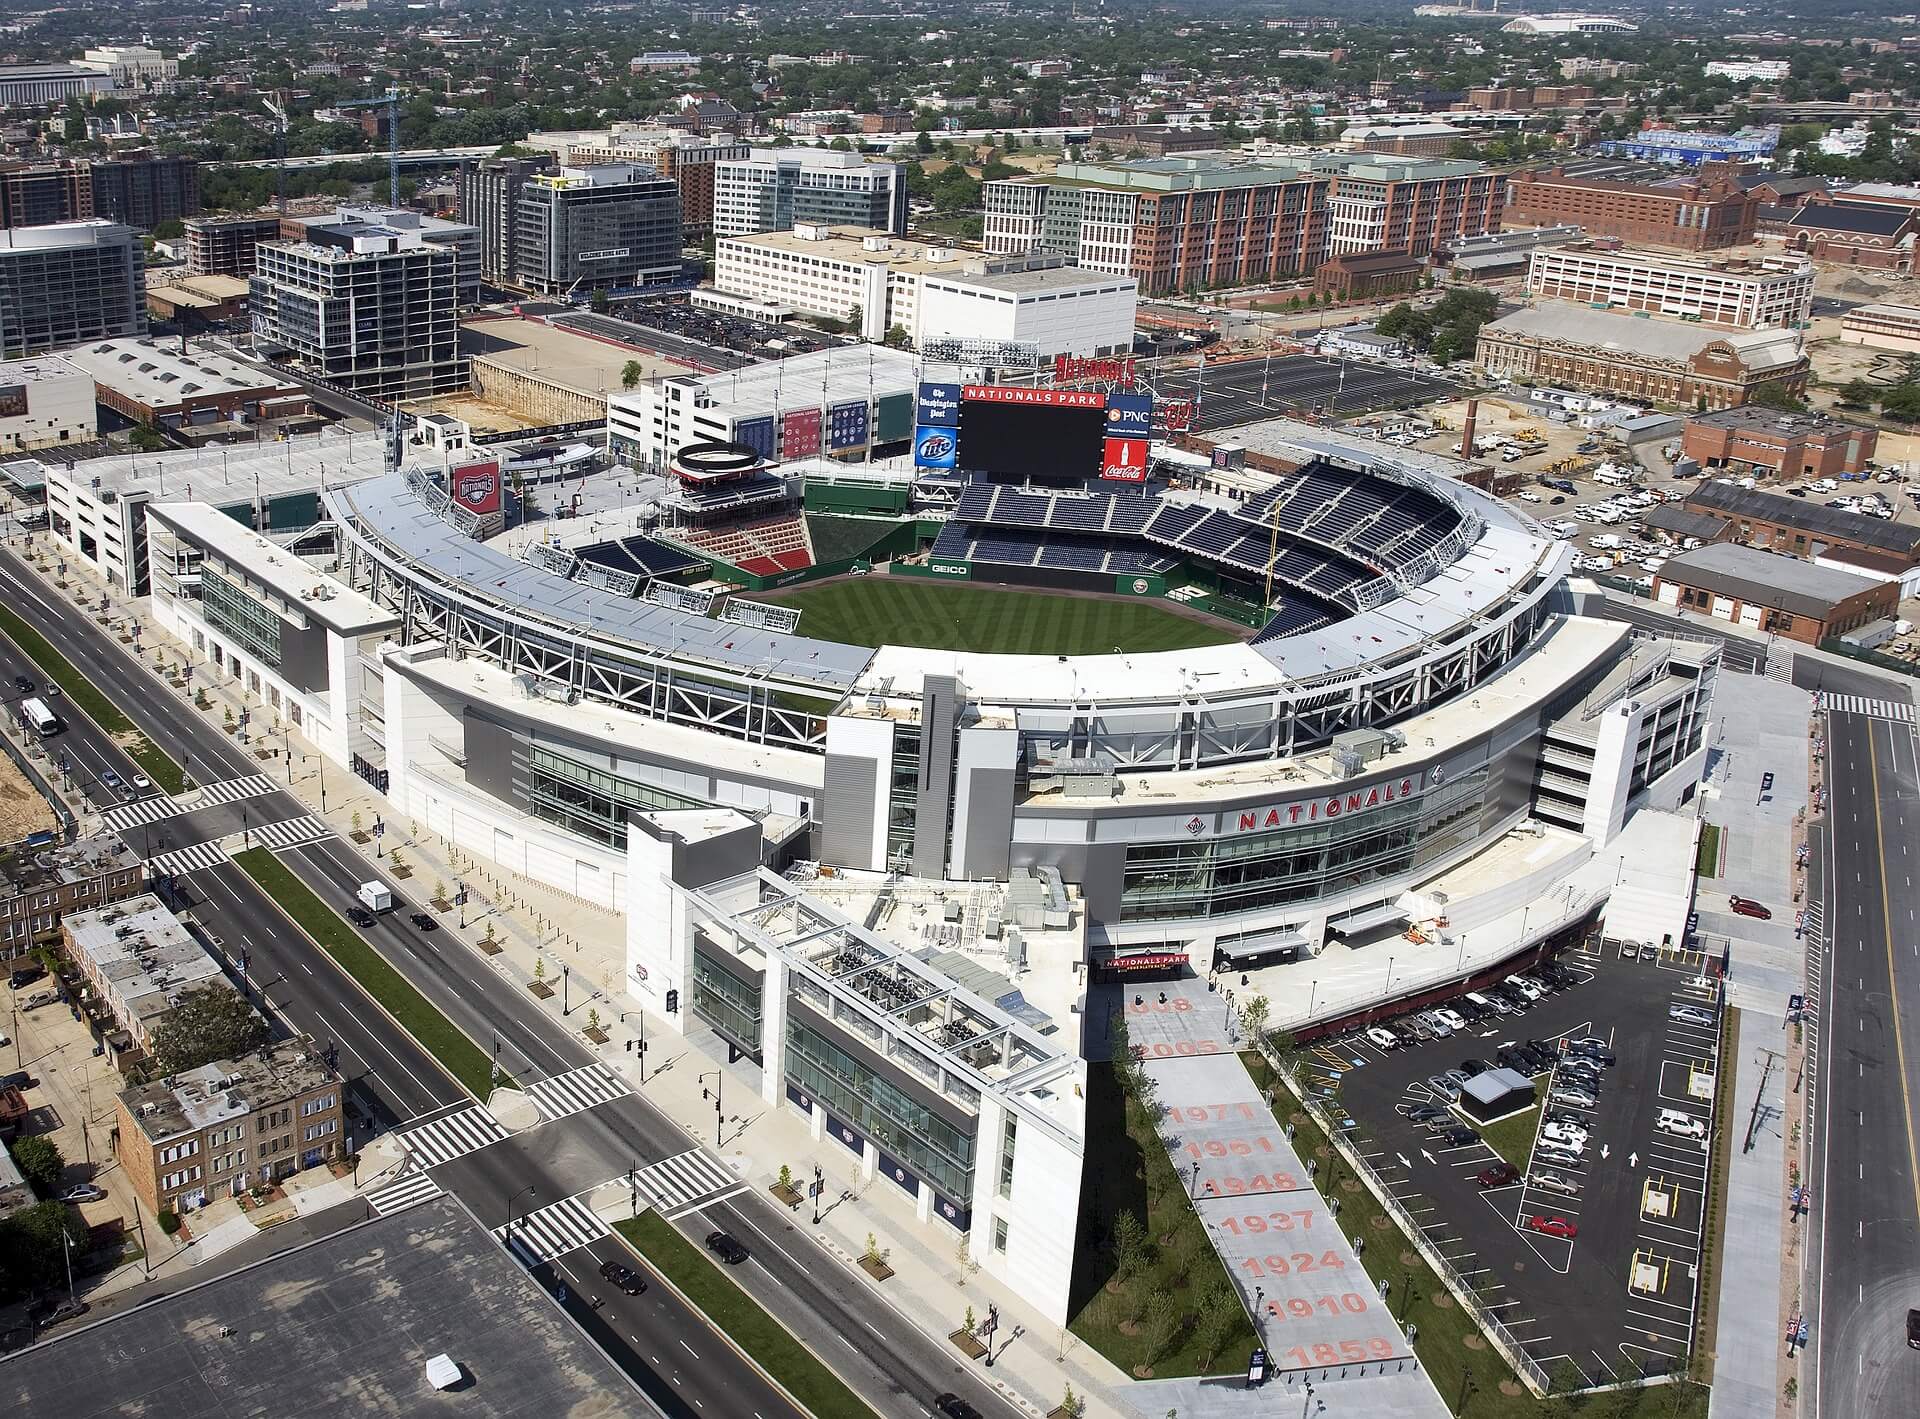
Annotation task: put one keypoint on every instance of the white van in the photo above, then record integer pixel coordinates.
(1607, 542)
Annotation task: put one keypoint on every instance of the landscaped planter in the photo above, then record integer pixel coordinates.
(490, 946)
(968, 1344)
(596, 1034)
(787, 1193)
(876, 1268)
(540, 989)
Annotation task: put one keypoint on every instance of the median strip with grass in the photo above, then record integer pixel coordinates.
(153, 762)
(439, 1036)
(1512, 1137)
(769, 1344)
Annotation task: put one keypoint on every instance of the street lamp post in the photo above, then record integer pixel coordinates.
(713, 1094)
(1306, 1406)
(819, 1186)
(527, 1191)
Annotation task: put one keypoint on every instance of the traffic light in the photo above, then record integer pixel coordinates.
(673, 1002)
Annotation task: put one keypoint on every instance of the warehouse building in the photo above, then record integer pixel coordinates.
(1800, 525)
(46, 400)
(155, 384)
(1769, 443)
(1776, 594)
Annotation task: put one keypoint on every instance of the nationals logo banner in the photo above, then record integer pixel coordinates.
(476, 485)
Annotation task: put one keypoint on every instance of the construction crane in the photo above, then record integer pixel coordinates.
(390, 101)
(279, 157)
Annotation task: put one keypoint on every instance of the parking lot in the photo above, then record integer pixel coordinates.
(1587, 1248)
(1246, 391)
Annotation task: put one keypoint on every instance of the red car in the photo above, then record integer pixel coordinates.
(1499, 1175)
(1554, 1227)
(1747, 906)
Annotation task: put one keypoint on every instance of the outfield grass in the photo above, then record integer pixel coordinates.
(153, 762)
(771, 1344)
(1708, 862)
(879, 610)
(1469, 1373)
(438, 1035)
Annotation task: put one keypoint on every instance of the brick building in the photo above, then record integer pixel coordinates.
(41, 886)
(1801, 526)
(1772, 443)
(139, 962)
(1691, 215)
(1840, 233)
(1659, 361)
(140, 190)
(225, 1127)
(1768, 592)
(225, 246)
(1372, 273)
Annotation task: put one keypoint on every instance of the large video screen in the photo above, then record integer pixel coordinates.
(1051, 435)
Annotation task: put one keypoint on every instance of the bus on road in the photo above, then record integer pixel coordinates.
(44, 721)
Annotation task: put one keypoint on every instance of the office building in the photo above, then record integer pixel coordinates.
(45, 400)
(1770, 292)
(489, 201)
(1173, 224)
(930, 292)
(370, 309)
(772, 188)
(1412, 205)
(462, 238)
(132, 66)
(692, 161)
(1771, 443)
(70, 282)
(219, 1130)
(1659, 361)
(1689, 214)
(224, 246)
(599, 228)
(1771, 593)
(43, 85)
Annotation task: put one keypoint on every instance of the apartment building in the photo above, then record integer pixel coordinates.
(689, 158)
(606, 227)
(369, 309)
(38, 194)
(216, 1131)
(1774, 292)
(225, 246)
(462, 238)
(139, 189)
(772, 188)
(41, 885)
(488, 199)
(1689, 214)
(69, 282)
(1411, 205)
(930, 292)
(139, 962)
(1659, 361)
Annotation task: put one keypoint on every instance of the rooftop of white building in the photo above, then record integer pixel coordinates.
(272, 568)
(230, 473)
(154, 373)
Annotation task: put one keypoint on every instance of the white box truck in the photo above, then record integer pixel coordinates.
(375, 897)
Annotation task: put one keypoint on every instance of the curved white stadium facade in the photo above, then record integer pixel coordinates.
(1249, 798)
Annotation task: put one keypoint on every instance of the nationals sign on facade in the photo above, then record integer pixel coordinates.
(1313, 810)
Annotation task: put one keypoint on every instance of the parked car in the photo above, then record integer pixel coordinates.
(1417, 1027)
(58, 1312)
(83, 1192)
(1384, 1038)
(1553, 1227)
(1443, 1086)
(1557, 1157)
(1913, 1329)
(1453, 1019)
(1546, 1049)
(1405, 1034)
(726, 1247)
(1459, 1136)
(1471, 1067)
(623, 1278)
(952, 1406)
(1575, 1098)
(1681, 1125)
(1527, 986)
(1554, 1182)
(1691, 1015)
(1424, 1113)
(19, 1079)
(25, 977)
(1566, 1118)
(37, 999)
(1593, 1054)
(1441, 1029)
(1747, 906)
(1564, 1135)
(423, 921)
(1499, 1175)
(1517, 999)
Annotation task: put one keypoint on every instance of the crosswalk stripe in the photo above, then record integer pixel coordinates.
(187, 859)
(453, 1136)
(291, 832)
(576, 1090)
(1899, 710)
(692, 1176)
(552, 1231)
(415, 1187)
(156, 809)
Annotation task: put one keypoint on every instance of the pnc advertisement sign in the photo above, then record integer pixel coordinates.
(939, 406)
(1125, 460)
(935, 447)
(1314, 810)
(1129, 415)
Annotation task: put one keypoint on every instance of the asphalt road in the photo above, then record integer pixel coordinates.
(1864, 1173)
(896, 1367)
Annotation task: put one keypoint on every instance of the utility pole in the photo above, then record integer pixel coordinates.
(1753, 1119)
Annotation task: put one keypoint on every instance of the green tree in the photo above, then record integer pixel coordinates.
(897, 337)
(1164, 1321)
(599, 301)
(33, 1245)
(1406, 324)
(41, 1163)
(1131, 1249)
(1775, 394)
(1859, 394)
(630, 374)
(922, 142)
(208, 1024)
(1219, 1317)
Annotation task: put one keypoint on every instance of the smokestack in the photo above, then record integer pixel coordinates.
(1466, 429)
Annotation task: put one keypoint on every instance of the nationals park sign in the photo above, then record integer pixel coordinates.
(1314, 810)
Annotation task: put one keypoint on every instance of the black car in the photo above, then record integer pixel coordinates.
(423, 921)
(1538, 1061)
(1594, 1053)
(1471, 1067)
(1913, 1329)
(952, 1406)
(1546, 1049)
(1513, 1057)
(1513, 997)
(1469, 1009)
(1458, 1136)
(726, 1247)
(623, 1278)
(24, 685)
(25, 977)
(359, 916)
(1406, 1034)
(19, 1079)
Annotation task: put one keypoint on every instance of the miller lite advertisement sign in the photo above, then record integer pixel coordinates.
(476, 486)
